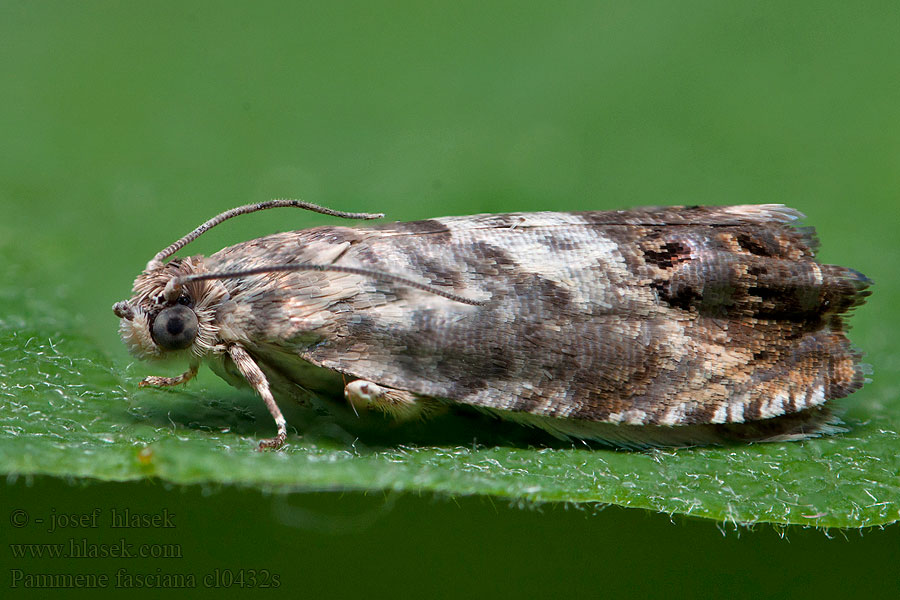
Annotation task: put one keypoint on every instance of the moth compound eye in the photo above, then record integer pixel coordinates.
(174, 328)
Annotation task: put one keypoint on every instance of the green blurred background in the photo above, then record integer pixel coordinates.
(124, 125)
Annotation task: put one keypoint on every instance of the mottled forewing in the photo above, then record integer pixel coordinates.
(656, 316)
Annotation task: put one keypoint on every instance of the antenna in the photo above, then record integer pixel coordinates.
(157, 260)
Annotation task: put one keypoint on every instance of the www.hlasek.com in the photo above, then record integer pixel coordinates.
(75, 549)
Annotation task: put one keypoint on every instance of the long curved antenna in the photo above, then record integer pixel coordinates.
(173, 289)
(157, 260)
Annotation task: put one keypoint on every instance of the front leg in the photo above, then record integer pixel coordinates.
(256, 378)
(157, 381)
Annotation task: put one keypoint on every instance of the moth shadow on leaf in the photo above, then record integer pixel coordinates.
(331, 422)
(240, 413)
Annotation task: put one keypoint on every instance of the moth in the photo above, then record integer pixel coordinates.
(650, 327)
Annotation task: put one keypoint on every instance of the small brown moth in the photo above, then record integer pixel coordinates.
(648, 327)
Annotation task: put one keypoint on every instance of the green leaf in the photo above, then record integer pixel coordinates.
(66, 410)
(116, 144)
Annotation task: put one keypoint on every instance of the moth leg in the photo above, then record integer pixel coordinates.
(256, 378)
(156, 381)
(398, 404)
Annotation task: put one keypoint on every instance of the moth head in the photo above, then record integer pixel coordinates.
(173, 310)
(165, 319)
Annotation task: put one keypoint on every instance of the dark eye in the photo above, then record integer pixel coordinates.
(174, 328)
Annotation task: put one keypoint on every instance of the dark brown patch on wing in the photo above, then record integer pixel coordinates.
(761, 244)
(665, 254)
(733, 285)
(490, 259)
(436, 230)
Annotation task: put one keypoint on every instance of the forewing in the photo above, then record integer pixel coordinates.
(654, 316)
